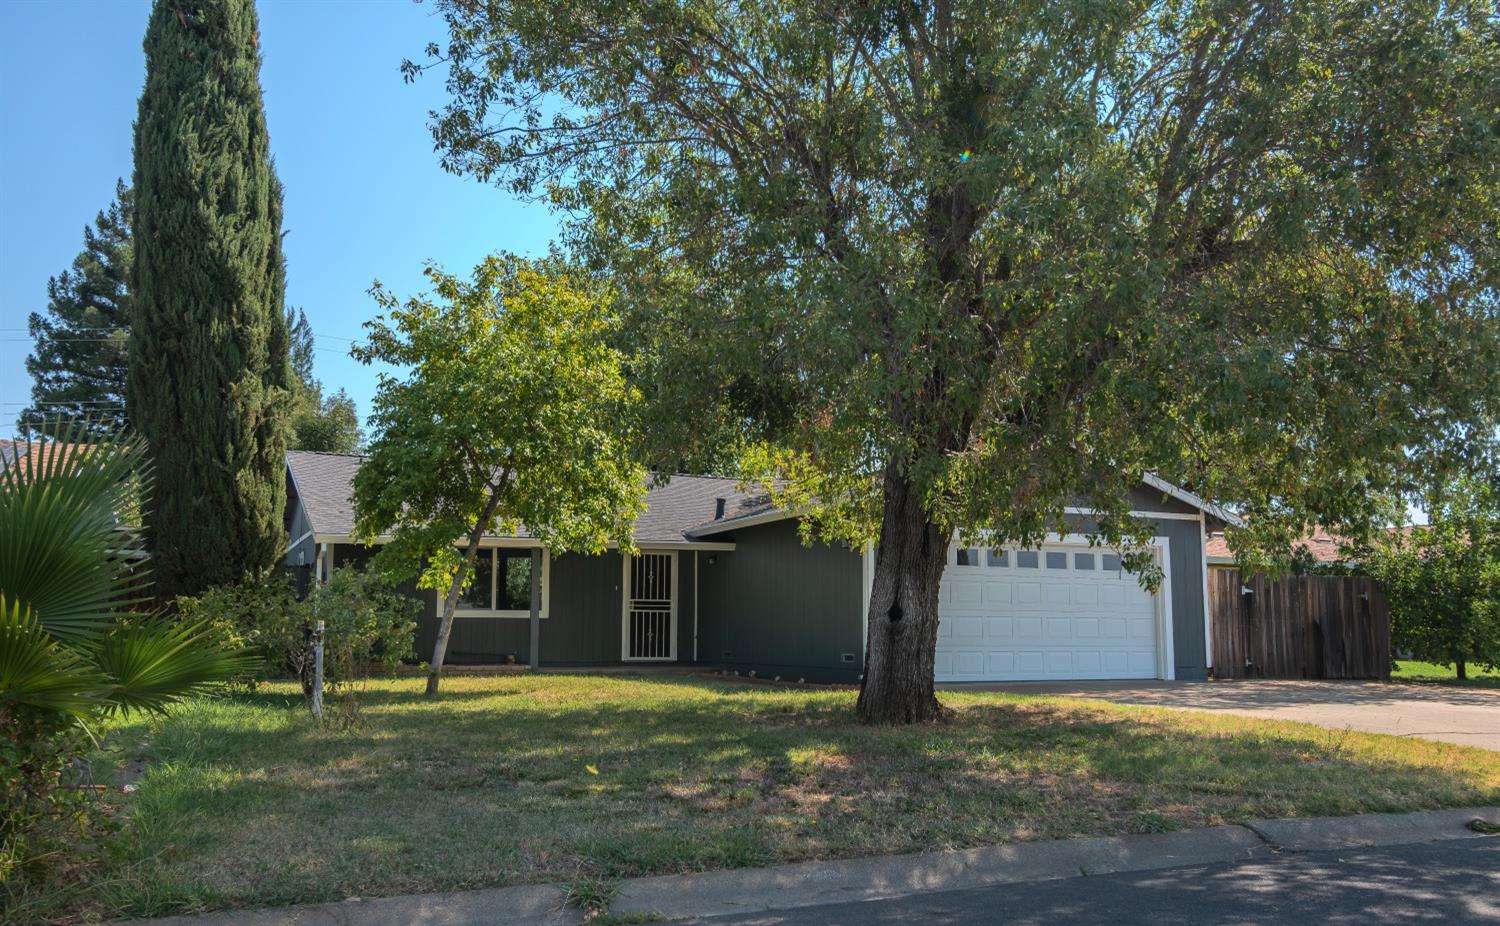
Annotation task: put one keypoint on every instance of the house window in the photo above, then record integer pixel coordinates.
(1026, 559)
(999, 559)
(1083, 561)
(1110, 562)
(967, 556)
(501, 584)
(1057, 560)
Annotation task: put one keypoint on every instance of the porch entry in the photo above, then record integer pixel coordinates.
(649, 632)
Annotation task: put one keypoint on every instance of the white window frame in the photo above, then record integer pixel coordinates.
(491, 550)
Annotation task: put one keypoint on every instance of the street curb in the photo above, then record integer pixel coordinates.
(530, 904)
(1309, 834)
(806, 884)
(809, 884)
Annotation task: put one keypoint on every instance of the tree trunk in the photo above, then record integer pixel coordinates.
(1461, 670)
(903, 616)
(450, 602)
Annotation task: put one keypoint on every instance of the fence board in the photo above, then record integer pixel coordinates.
(1299, 627)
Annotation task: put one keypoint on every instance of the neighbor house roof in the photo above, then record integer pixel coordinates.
(34, 455)
(1322, 546)
(325, 483)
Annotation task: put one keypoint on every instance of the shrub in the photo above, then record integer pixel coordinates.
(366, 621)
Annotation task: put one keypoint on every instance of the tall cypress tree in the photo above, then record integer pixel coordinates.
(78, 364)
(209, 375)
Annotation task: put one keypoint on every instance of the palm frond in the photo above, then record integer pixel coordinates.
(38, 672)
(63, 553)
(155, 663)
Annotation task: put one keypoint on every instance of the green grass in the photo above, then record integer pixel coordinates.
(1412, 671)
(582, 780)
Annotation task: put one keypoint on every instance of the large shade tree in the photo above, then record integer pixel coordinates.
(957, 265)
(505, 419)
(209, 380)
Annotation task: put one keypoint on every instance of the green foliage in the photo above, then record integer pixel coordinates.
(78, 362)
(511, 415)
(366, 621)
(209, 379)
(1018, 255)
(1443, 580)
(71, 654)
(329, 424)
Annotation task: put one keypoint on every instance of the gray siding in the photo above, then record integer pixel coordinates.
(781, 608)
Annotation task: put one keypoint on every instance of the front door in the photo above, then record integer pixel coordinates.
(650, 622)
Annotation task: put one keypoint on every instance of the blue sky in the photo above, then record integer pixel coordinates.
(365, 197)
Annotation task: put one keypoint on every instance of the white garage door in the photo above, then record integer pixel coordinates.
(1060, 612)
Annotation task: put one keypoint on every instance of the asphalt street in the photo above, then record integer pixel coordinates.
(1454, 881)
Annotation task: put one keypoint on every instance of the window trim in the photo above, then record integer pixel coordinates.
(491, 550)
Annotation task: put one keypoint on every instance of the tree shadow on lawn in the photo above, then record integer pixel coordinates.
(250, 802)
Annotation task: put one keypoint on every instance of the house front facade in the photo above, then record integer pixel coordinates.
(723, 580)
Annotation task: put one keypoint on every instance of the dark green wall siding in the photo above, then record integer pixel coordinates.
(782, 608)
(584, 617)
(771, 605)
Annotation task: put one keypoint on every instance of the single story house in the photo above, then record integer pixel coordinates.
(723, 580)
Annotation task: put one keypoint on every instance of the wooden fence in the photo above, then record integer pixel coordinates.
(1299, 627)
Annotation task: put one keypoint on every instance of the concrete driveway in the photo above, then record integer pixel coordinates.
(1468, 716)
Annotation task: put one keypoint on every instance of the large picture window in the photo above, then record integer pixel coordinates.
(502, 584)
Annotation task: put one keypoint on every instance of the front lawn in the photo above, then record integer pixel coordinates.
(1408, 670)
(513, 779)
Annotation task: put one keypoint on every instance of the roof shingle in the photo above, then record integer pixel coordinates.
(325, 483)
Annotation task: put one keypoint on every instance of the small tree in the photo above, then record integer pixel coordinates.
(1443, 580)
(509, 417)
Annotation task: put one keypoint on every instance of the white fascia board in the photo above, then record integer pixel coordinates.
(1186, 497)
(722, 527)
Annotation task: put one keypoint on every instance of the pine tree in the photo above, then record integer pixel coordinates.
(78, 363)
(209, 379)
(329, 424)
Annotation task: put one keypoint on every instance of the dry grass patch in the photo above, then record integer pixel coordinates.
(517, 778)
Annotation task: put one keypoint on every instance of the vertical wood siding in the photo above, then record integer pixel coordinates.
(1299, 627)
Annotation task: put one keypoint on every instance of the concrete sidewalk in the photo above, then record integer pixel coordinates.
(810, 884)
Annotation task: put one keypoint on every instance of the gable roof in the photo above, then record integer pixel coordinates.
(325, 484)
(683, 509)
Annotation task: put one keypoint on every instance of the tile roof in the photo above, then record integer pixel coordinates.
(32, 455)
(325, 482)
(1322, 546)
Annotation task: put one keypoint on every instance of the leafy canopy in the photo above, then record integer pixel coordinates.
(506, 418)
(1016, 255)
(1443, 579)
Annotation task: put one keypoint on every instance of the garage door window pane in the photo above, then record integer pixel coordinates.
(1083, 561)
(1110, 562)
(968, 556)
(998, 558)
(1057, 560)
(1026, 559)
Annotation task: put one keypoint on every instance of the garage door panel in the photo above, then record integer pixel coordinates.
(997, 592)
(1055, 621)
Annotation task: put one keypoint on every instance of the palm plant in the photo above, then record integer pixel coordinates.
(73, 648)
